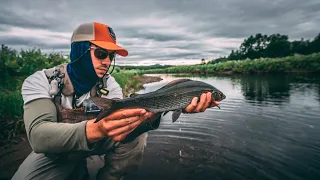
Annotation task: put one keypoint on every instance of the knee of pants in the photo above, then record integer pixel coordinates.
(127, 156)
(41, 166)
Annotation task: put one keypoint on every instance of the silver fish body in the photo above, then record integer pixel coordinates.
(174, 96)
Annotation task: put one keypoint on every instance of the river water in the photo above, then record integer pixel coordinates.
(268, 127)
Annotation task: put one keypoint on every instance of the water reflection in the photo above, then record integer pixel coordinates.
(267, 128)
(260, 88)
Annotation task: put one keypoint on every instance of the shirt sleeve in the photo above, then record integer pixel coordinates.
(35, 86)
(44, 133)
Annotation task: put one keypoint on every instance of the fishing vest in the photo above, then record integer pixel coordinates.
(60, 83)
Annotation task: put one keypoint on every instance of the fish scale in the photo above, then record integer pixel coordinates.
(161, 103)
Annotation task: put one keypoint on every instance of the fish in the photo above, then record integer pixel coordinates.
(174, 96)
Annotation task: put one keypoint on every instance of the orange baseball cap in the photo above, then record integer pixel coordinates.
(99, 34)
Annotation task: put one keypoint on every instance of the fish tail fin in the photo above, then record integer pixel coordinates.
(165, 113)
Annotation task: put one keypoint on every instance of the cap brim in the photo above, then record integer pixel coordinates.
(111, 46)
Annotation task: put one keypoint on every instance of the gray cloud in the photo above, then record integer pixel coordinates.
(14, 41)
(143, 33)
(157, 30)
(175, 55)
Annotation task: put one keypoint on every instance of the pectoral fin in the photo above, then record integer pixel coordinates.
(165, 113)
(176, 114)
(102, 115)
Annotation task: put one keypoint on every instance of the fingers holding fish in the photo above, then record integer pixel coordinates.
(118, 128)
(110, 125)
(121, 133)
(192, 106)
(122, 136)
(215, 103)
(202, 102)
(124, 129)
(205, 101)
(126, 113)
(208, 101)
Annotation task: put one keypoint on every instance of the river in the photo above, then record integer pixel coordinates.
(268, 128)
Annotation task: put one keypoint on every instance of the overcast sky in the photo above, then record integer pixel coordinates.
(158, 31)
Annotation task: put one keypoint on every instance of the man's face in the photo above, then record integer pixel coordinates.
(100, 65)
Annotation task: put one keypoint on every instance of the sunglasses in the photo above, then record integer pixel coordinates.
(103, 54)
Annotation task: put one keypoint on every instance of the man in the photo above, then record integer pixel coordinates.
(59, 148)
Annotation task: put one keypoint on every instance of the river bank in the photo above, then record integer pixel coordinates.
(291, 64)
(16, 150)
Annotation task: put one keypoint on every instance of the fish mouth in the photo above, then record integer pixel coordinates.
(218, 96)
(223, 97)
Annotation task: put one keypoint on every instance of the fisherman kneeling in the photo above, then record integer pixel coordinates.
(60, 148)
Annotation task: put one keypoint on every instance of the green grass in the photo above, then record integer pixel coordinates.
(128, 80)
(11, 113)
(297, 63)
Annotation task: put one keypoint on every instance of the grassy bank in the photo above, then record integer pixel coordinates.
(129, 80)
(290, 64)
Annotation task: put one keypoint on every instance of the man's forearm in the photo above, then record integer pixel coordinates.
(46, 135)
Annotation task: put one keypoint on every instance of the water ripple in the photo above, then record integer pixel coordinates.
(267, 128)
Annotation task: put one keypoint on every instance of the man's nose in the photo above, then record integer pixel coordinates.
(106, 61)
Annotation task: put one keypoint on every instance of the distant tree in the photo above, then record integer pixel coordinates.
(301, 47)
(315, 44)
(254, 46)
(235, 55)
(273, 46)
(278, 46)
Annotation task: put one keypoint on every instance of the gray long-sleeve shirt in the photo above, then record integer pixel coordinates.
(40, 117)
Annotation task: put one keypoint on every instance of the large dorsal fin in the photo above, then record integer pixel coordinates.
(174, 82)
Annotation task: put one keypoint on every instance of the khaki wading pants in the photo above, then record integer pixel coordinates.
(119, 160)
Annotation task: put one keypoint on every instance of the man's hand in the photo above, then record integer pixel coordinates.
(204, 103)
(117, 125)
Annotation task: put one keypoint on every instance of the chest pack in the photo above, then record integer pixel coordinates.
(60, 84)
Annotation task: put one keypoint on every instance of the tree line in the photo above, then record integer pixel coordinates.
(272, 46)
(16, 64)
